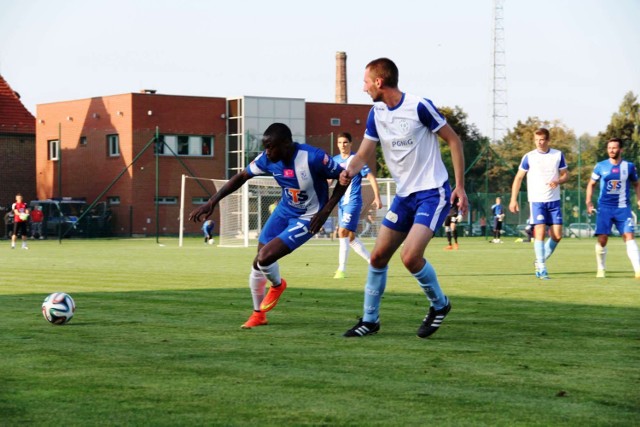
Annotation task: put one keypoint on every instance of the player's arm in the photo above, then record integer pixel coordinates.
(320, 218)
(589, 194)
(636, 187)
(232, 185)
(376, 191)
(366, 151)
(563, 176)
(515, 189)
(447, 133)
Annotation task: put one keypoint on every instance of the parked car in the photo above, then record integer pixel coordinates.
(580, 229)
(62, 217)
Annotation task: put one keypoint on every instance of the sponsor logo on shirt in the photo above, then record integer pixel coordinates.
(288, 173)
(296, 196)
(402, 143)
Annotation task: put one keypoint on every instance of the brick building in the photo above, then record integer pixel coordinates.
(84, 145)
(17, 148)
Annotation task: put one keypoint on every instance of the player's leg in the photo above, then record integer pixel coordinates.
(257, 284)
(14, 235)
(604, 221)
(626, 226)
(428, 217)
(454, 230)
(343, 242)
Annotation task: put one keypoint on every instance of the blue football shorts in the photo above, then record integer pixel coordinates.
(548, 213)
(428, 207)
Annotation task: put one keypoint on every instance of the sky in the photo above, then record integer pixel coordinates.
(567, 60)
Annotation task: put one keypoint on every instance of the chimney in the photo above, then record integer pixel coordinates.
(341, 78)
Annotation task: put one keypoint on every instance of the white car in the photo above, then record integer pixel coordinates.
(580, 229)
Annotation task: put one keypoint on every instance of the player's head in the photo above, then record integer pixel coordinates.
(18, 197)
(498, 200)
(278, 142)
(344, 143)
(614, 148)
(541, 137)
(379, 74)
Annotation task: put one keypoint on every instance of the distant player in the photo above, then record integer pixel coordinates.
(547, 169)
(302, 171)
(498, 218)
(350, 207)
(451, 226)
(207, 230)
(614, 208)
(20, 221)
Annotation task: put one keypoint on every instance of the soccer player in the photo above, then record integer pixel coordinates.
(407, 128)
(498, 217)
(20, 221)
(350, 206)
(547, 169)
(451, 226)
(302, 171)
(207, 230)
(616, 176)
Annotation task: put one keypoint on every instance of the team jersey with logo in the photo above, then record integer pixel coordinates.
(497, 210)
(22, 208)
(407, 135)
(542, 168)
(303, 180)
(614, 182)
(353, 193)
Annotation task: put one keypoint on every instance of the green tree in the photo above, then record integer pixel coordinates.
(625, 125)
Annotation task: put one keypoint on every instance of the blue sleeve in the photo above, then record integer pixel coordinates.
(563, 163)
(371, 132)
(365, 171)
(524, 163)
(633, 173)
(325, 166)
(259, 166)
(430, 116)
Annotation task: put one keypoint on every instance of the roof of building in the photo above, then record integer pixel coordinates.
(14, 116)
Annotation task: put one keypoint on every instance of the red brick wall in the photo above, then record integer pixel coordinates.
(17, 168)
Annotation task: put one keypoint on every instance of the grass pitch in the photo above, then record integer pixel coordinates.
(156, 339)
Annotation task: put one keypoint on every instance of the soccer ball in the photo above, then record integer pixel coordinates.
(58, 308)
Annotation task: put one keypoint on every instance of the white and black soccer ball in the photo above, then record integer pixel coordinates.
(58, 308)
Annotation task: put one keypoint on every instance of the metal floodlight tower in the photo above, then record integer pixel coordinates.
(499, 112)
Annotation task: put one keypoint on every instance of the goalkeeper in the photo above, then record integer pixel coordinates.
(302, 171)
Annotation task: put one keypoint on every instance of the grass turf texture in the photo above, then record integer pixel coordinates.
(156, 339)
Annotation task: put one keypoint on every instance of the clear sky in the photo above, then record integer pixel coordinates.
(571, 60)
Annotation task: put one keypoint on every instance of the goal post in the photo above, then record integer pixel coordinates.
(243, 213)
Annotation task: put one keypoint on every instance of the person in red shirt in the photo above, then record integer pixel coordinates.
(36, 222)
(20, 220)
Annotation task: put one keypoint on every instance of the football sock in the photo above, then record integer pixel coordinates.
(358, 247)
(272, 273)
(601, 256)
(455, 235)
(538, 247)
(549, 247)
(428, 281)
(633, 254)
(373, 290)
(257, 283)
(343, 253)
(449, 237)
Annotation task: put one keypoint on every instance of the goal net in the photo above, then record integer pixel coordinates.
(242, 214)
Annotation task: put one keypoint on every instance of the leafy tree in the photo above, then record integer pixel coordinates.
(625, 125)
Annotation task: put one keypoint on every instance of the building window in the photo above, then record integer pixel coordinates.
(185, 145)
(113, 143)
(83, 141)
(166, 200)
(113, 200)
(54, 149)
(199, 200)
(335, 122)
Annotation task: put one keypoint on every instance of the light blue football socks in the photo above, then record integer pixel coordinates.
(428, 281)
(373, 290)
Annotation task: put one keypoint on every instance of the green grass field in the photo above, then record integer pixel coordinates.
(156, 339)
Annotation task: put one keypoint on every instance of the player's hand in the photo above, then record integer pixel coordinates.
(513, 207)
(463, 202)
(345, 178)
(378, 203)
(206, 210)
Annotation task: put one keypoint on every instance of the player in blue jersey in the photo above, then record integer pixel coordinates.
(350, 206)
(546, 169)
(614, 207)
(407, 128)
(207, 230)
(498, 218)
(302, 171)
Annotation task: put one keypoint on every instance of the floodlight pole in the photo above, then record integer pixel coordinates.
(157, 152)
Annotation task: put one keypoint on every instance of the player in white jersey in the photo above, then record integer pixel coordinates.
(302, 171)
(350, 206)
(614, 207)
(407, 127)
(546, 169)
